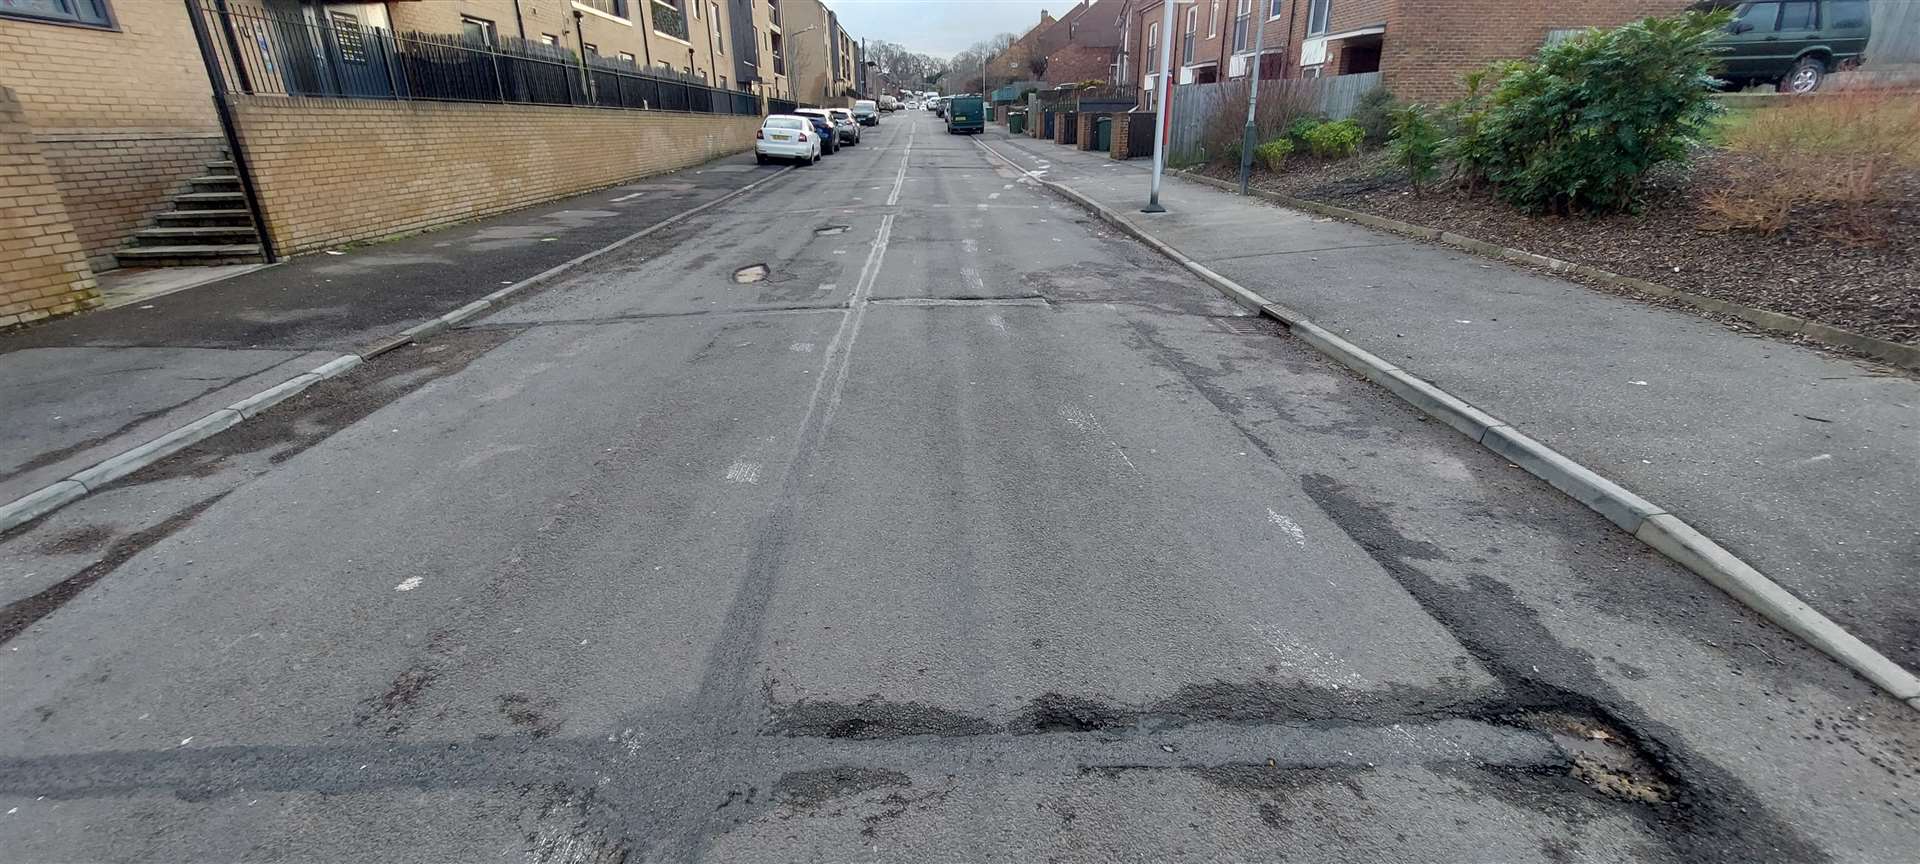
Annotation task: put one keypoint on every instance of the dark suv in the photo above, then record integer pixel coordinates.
(1791, 44)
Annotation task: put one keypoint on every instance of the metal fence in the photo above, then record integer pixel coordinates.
(1194, 105)
(781, 106)
(258, 51)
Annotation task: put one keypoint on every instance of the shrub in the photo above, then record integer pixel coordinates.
(1577, 128)
(1335, 140)
(1416, 143)
(1301, 126)
(1274, 153)
(1833, 151)
(1375, 114)
(1226, 127)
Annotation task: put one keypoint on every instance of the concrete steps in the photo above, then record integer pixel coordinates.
(209, 224)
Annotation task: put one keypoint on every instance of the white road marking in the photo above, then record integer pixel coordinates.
(408, 584)
(994, 196)
(743, 472)
(628, 197)
(1291, 527)
(801, 347)
(900, 179)
(862, 290)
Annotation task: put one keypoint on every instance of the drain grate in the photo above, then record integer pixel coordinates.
(1250, 325)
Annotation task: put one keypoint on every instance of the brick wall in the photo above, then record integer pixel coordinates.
(1132, 135)
(43, 271)
(336, 170)
(1427, 49)
(123, 116)
(1066, 127)
(1083, 135)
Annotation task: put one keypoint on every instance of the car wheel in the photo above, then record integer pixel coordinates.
(760, 158)
(1805, 76)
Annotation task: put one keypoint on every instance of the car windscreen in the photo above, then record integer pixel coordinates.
(786, 123)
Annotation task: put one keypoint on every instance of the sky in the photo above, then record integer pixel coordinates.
(943, 27)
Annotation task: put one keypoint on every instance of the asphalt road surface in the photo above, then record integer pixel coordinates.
(896, 511)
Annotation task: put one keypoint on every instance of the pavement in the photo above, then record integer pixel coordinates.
(896, 511)
(1806, 464)
(85, 388)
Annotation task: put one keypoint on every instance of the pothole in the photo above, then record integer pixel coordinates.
(1604, 758)
(750, 273)
(830, 230)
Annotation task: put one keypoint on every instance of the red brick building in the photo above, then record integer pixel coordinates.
(1420, 47)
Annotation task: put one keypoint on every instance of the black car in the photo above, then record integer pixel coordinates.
(829, 136)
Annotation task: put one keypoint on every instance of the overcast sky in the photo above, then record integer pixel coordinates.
(942, 27)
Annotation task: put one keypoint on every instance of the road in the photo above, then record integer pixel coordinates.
(896, 511)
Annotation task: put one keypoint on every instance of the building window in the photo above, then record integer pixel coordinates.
(1153, 44)
(629, 58)
(93, 13)
(478, 31)
(1242, 16)
(1318, 11)
(1273, 9)
(549, 39)
(591, 49)
(1193, 31)
(713, 21)
(615, 8)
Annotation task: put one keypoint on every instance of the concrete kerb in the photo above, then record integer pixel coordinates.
(1647, 522)
(58, 494)
(1895, 353)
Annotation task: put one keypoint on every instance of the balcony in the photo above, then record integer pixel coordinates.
(669, 21)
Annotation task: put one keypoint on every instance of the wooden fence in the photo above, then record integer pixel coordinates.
(1197, 107)
(1896, 34)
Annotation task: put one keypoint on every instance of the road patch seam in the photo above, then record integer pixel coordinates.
(1886, 351)
(1649, 523)
(79, 484)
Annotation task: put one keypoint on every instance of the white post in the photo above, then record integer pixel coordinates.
(1164, 90)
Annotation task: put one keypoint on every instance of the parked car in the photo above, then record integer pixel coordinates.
(867, 112)
(848, 126)
(823, 124)
(966, 115)
(786, 136)
(1791, 44)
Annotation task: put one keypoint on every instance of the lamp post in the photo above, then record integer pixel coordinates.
(1253, 97)
(1165, 89)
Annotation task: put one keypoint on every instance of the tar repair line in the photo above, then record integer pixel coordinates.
(1649, 523)
(78, 485)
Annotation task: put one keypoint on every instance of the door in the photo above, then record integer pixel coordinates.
(1798, 30)
(1750, 39)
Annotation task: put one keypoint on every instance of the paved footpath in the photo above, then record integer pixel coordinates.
(83, 389)
(1803, 463)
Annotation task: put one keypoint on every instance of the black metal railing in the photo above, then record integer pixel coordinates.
(267, 53)
(781, 106)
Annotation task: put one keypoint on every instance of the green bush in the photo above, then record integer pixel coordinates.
(1274, 153)
(1335, 140)
(1375, 114)
(1577, 128)
(1416, 143)
(1298, 129)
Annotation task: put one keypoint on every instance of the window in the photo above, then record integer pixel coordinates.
(629, 58)
(1757, 16)
(1193, 29)
(1849, 14)
(1241, 16)
(591, 49)
(723, 82)
(1273, 10)
(549, 39)
(90, 12)
(615, 8)
(1318, 11)
(1557, 36)
(1213, 18)
(1797, 15)
(719, 39)
(1153, 43)
(478, 31)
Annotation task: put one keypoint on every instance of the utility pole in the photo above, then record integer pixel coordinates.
(1164, 88)
(1253, 96)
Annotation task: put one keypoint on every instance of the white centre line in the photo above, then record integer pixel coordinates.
(900, 179)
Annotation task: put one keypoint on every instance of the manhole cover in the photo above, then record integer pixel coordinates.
(830, 230)
(750, 273)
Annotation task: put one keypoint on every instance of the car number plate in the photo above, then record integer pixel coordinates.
(779, 137)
